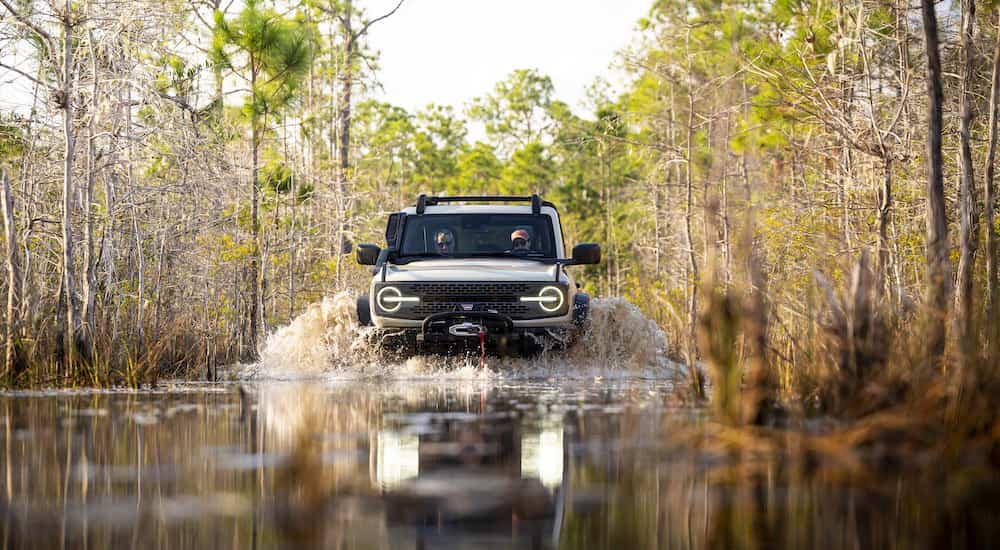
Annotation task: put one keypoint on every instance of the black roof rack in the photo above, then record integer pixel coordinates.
(423, 201)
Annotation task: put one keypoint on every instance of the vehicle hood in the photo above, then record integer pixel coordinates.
(487, 269)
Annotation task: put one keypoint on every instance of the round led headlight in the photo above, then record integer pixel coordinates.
(550, 298)
(390, 299)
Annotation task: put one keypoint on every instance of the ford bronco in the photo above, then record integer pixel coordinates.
(475, 272)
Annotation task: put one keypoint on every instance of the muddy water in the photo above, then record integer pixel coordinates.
(343, 449)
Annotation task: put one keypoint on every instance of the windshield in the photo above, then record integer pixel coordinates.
(466, 235)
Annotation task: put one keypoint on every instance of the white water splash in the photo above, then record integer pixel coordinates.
(327, 331)
(325, 340)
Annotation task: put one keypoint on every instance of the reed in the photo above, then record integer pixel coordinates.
(864, 378)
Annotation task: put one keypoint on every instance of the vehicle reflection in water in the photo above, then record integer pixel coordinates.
(440, 465)
(468, 485)
(398, 458)
(542, 454)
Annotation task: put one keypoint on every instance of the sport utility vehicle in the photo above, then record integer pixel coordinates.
(483, 271)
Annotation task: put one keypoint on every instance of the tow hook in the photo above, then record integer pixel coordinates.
(466, 329)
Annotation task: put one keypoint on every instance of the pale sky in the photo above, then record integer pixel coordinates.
(450, 51)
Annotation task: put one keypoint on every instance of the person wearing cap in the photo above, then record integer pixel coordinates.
(444, 241)
(520, 242)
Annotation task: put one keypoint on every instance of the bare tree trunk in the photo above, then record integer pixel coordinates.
(72, 318)
(346, 78)
(90, 276)
(139, 335)
(28, 173)
(967, 199)
(657, 230)
(141, 287)
(254, 228)
(938, 276)
(12, 328)
(158, 286)
(292, 251)
(111, 293)
(884, 220)
(846, 164)
(727, 251)
(612, 259)
(688, 238)
(988, 200)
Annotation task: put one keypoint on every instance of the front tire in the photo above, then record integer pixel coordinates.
(581, 310)
(364, 311)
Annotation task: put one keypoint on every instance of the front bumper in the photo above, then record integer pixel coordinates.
(389, 323)
(461, 331)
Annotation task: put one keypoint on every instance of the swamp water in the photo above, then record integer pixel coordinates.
(322, 444)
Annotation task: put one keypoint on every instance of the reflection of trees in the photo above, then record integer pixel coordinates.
(296, 465)
(633, 495)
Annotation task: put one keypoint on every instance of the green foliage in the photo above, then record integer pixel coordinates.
(515, 113)
(529, 170)
(270, 52)
(175, 75)
(438, 142)
(276, 177)
(12, 140)
(479, 171)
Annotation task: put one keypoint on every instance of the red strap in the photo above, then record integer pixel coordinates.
(482, 349)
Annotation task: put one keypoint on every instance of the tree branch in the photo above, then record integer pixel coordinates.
(364, 29)
(25, 75)
(27, 23)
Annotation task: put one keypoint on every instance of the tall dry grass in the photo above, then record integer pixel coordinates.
(861, 385)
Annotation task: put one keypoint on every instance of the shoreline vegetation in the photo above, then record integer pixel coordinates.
(801, 195)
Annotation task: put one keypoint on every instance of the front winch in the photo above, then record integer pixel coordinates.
(466, 329)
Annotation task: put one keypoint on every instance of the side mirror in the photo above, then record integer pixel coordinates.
(368, 254)
(587, 253)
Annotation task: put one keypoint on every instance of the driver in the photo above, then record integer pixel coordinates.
(444, 241)
(520, 242)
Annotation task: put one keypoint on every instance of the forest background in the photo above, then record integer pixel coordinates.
(187, 175)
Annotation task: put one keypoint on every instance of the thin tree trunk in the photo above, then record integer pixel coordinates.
(140, 270)
(345, 78)
(254, 226)
(141, 277)
(89, 264)
(612, 260)
(72, 319)
(689, 239)
(967, 198)
(884, 220)
(657, 230)
(938, 278)
(158, 285)
(109, 251)
(988, 200)
(726, 248)
(28, 178)
(12, 328)
(292, 250)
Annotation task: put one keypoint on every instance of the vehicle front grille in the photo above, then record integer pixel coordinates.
(446, 297)
(469, 292)
(514, 311)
